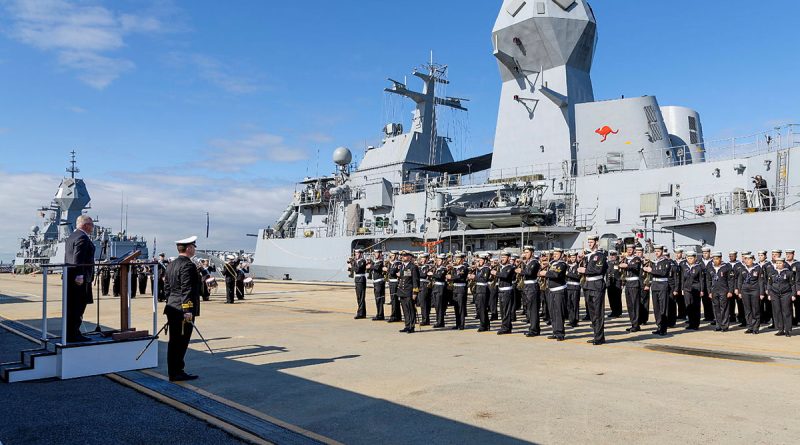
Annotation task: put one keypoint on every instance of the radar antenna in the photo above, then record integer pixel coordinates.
(72, 169)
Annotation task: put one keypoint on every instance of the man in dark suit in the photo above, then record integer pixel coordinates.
(79, 250)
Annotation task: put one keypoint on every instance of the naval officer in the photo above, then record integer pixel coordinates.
(182, 289)
(594, 288)
(360, 279)
(407, 290)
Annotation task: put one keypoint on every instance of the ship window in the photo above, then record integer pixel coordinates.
(693, 130)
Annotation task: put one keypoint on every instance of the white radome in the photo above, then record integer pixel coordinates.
(342, 156)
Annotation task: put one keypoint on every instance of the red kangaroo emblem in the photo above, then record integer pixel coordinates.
(605, 131)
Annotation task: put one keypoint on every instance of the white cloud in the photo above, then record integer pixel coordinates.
(165, 207)
(77, 110)
(222, 76)
(80, 35)
(319, 138)
(231, 155)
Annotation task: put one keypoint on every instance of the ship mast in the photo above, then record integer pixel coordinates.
(72, 169)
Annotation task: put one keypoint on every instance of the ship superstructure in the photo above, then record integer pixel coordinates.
(45, 244)
(563, 164)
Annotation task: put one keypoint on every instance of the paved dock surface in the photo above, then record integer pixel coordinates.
(294, 352)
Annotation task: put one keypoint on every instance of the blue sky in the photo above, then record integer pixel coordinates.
(187, 107)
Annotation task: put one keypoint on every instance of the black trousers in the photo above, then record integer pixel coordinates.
(134, 279)
(379, 289)
(752, 307)
(440, 303)
(632, 294)
(525, 303)
(534, 297)
(142, 284)
(692, 300)
(782, 310)
(179, 335)
(394, 301)
(460, 305)
(493, 301)
(77, 299)
(796, 318)
(721, 304)
(672, 308)
(681, 303)
(104, 284)
(230, 289)
(482, 305)
(115, 287)
(506, 298)
(361, 296)
(573, 303)
(557, 311)
(708, 308)
(644, 306)
(595, 298)
(766, 310)
(409, 312)
(240, 289)
(615, 300)
(661, 306)
(424, 302)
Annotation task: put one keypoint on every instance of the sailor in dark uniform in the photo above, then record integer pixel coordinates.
(134, 279)
(377, 272)
(482, 276)
(144, 271)
(660, 271)
(708, 305)
(458, 276)
(679, 304)
(794, 266)
(407, 291)
(533, 295)
(182, 288)
(394, 271)
(202, 269)
(782, 293)
(229, 271)
(719, 282)
(594, 290)
(693, 288)
(573, 289)
(439, 299)
(557, 286)
(769, 268)
(736, 303)
(115, 288)
(751, 290)
(614, 285)
(631, 267)
(424, 297)
(494, 264)
(105, 280)
(359, 266)
(505, 286)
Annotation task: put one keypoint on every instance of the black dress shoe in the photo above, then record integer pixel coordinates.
(718, 329)
(628, 329)
(483, 329)
(438, 325)
(779, 334)
(755, 331)
(636, 329)
(78, 339)
(393, 320)
(713, 323)
(425, 323)
(788, 334)
(560, 339)
(657, 332)
(725, 329)
(183, 377)
(531, 334)
(378, 318)
(403, 330)
(461, 328)
(410, 331)
(573, 325)
(552, 337)
(749, 331)
(359, 317)
(772, 326)
(503, 332)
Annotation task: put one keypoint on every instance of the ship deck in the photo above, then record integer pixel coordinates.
(293, 352)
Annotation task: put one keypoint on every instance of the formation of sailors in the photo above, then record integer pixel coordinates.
(547, 287)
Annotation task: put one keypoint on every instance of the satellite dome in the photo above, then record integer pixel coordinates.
(342, 156)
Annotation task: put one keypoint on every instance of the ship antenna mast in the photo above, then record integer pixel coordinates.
(72, 169)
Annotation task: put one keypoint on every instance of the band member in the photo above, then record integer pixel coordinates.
(182, 288)
(162, 276)
(241, 274)
(594, 290)
(377, 271)
(505, 291)
(482, 276)
(117, 283)
(556, 287)
(394, 273)
(202, 270)
(105, 280)
(494, 264)
(359, 269)
(144, 272)
(407, 290)
(751, 290)
(693, 286)
(708, 305)
(644, 291)
(530, 273)
(439, 298)
(79, 251)
(614, 285)
(719, 282)
(631, 266)
(736, 303)
(230, 273)
(458, 276)
(424, 297)
(660, 270)
(573, 289)
(781, 294)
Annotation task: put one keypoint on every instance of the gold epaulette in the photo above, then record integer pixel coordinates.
(416, 290)
(188, 305)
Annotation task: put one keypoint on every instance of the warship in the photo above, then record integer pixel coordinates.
(45, 244)
(563, 165)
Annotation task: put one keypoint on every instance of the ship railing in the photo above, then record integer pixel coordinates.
(419, 186)
(730, 203)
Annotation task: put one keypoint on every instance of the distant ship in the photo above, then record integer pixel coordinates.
(45, 244)
(563, 165)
